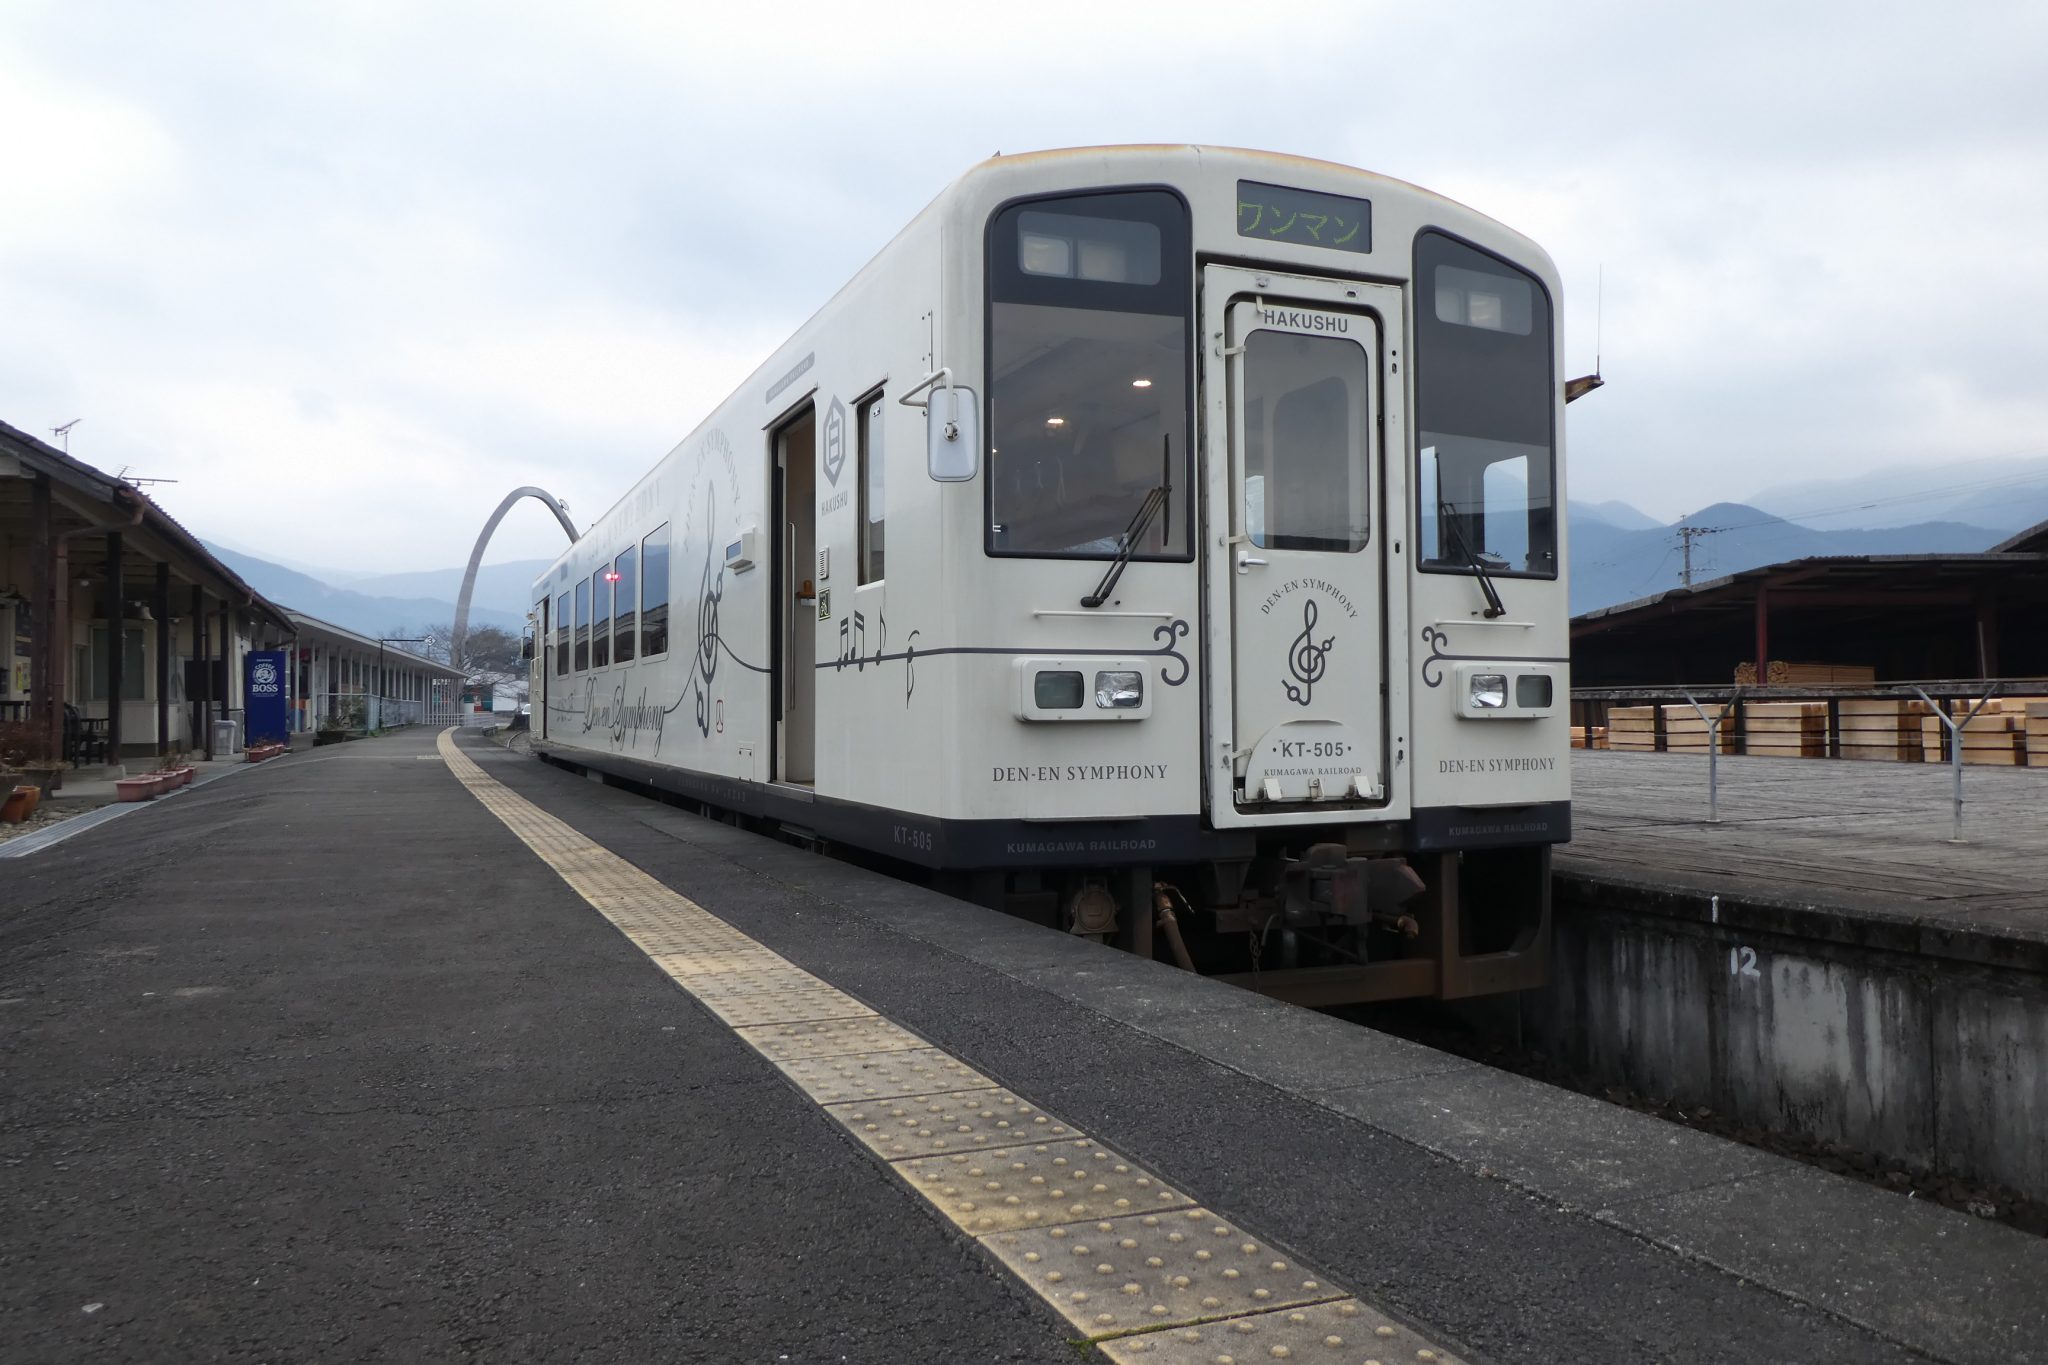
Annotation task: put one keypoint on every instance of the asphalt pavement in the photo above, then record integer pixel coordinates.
(324, 1064)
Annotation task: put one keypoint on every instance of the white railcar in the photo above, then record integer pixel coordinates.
(1147, 537)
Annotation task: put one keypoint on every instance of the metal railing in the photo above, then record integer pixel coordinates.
(1945, 698)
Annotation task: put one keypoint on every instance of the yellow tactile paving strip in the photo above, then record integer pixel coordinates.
(1132, 1263)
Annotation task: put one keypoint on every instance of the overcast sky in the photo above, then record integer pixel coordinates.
(351, 271)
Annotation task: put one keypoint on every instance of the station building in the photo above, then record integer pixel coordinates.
(82, 549)
(123, 636)
(342, 680)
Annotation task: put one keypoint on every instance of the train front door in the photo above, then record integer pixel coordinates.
(1298, 582)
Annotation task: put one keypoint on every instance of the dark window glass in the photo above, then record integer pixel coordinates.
(601, 617)
(625, 591)
(582, 624)
(1485, 403)
(1089, 303)
(132, 673)
(873, 506)
(654, 593)
(562, 633)
(1307, 442)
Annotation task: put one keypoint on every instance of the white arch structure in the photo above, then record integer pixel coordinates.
(460, 631)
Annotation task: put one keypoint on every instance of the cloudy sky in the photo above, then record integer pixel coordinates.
(350, 271)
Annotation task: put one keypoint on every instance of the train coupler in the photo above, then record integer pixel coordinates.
(1327, 884)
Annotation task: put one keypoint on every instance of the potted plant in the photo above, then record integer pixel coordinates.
(135, 788)
(24, 754)
(20, 803)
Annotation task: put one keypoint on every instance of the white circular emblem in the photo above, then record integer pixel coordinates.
(264, 673)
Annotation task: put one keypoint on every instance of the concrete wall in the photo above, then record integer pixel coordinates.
(1871, 1035)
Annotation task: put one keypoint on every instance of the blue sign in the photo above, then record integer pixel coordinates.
(263, 675)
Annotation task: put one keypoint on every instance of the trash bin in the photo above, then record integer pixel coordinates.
(227, 737)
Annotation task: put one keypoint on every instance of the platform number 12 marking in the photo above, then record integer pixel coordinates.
(1742, 962)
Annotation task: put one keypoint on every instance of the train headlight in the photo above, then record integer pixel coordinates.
(1119, 690)
(1057, 691)
(1489, 691)
(1092, 690)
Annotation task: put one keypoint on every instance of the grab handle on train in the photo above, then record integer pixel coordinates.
(1245, 560)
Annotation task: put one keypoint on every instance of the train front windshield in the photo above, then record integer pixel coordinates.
(1485, 404)
(1089, 306)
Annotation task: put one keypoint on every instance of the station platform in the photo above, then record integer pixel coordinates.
(1873, 840)
(415, 1049)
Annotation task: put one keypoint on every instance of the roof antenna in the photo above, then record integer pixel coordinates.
(1578, 388)
(63, 433)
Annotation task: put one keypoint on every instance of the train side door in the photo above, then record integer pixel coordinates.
(795, 679)
(542, 664)
(1299, 586)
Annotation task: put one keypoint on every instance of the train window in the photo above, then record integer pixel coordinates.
(562, 633)
(654, 593)
(601, 617)
(582, 624)
(1088, 321)
(1485, 407)
(1075, 246)
(625, 590)
(873, 506)
(1307, 442)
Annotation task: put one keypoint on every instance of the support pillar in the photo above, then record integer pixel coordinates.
(227, 660)
(46, 710)
(1763, 636)
(161, 609)
(1987, 637)
(204, 734)
(117, 645)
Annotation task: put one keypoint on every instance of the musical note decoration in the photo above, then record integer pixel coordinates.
(1307, 660)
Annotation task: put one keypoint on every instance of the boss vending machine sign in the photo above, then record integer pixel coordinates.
(263, 676)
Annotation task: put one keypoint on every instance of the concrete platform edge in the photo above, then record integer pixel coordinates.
(1738, 906)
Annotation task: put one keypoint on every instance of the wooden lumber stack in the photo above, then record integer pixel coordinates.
(1883, 729)
(1997, 736)
(1779, 673)
(1599, 737)
(1785, 729)
(1686, 733)
(1632, 728)
(2037, 734)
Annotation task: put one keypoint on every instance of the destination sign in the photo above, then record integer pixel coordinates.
(1274, 213)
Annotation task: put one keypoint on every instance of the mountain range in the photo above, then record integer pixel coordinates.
(393, 604)
(1613, 562)
(1618, 552)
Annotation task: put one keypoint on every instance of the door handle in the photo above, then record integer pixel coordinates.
(1245, 560)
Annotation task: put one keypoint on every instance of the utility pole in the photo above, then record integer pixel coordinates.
(1686, 536)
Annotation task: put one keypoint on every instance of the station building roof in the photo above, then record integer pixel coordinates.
(311, 630)
(85, 498)
(1905, 616)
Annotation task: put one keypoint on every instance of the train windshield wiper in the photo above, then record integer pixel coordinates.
(1457, 535)
(1157, 500)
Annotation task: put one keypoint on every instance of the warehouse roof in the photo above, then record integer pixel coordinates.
(2033, 540)
(1837, 580)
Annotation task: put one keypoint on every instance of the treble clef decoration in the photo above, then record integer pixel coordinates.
(1307, 660)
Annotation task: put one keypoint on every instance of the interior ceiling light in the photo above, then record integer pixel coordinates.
(1141, 383)
(1055, 421)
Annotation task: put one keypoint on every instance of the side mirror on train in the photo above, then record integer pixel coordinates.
(952, 434)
